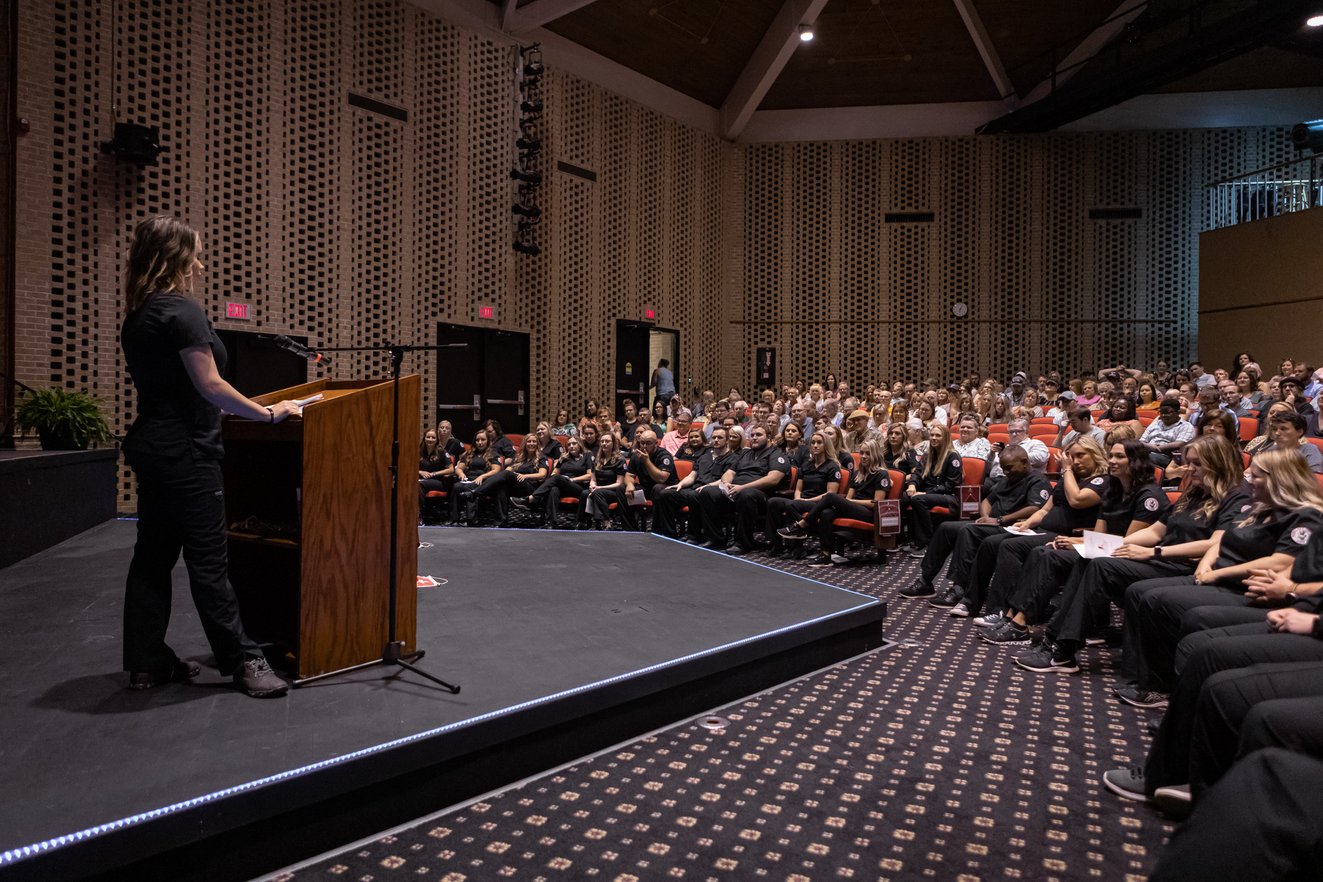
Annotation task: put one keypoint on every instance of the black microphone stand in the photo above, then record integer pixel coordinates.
(393, 653)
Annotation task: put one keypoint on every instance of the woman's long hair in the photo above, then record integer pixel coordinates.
(160, 259)
(467, 458)
(1094, 449)
(828, 445)
(936, 458)
(1223, 470)
(434, 455)
(530, 451)
(1290, 486)
(1140, 469)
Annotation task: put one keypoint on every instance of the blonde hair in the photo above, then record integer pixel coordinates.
(160, 259)
(1094, 449)
(1290, 485)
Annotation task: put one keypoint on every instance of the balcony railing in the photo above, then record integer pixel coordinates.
(1268, 192)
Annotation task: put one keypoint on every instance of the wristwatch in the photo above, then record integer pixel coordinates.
(271, 412)
(1157, 551)
(1001, 522)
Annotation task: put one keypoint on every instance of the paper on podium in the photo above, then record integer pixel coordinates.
(1098, 545)
(304, 402)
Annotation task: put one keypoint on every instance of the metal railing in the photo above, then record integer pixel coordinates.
(1291, 186)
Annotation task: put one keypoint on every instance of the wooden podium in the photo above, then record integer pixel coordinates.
(308, 507)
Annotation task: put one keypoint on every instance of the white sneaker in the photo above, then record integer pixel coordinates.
(839, 559)
(990, 620)
(959, 611)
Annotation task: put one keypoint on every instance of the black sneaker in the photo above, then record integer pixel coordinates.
(918, 553)
(822, 560)
(255, 678)
(989, 620)
(1136, 697)
(1046, 660)
(917, 588)
(946, 600)
(794, 531)
(1126, 783)
(1006, 632)
(181, 672)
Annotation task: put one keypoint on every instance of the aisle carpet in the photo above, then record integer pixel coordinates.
(937, 759)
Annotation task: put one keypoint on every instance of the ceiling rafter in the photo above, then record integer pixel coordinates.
(516, 19)
(766, 64)
(991, 59)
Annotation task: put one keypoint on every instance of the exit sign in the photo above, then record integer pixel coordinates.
(649, 313)
(487, 312)
(236, 310)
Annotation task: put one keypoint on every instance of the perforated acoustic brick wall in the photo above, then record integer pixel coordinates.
(356, 225)
(1010, 236)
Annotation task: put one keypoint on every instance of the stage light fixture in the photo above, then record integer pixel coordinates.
(528, 211)
(805, 33)
(526, 177)
(529, 145)
(1315, 21)
(1308, 135)
(531, 107)
(529, 248)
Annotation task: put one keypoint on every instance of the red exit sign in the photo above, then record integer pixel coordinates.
(487, 312)
(649, 313)
(236, 310)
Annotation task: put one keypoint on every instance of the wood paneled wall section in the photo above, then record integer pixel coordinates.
(352, 226)
(1260, 292)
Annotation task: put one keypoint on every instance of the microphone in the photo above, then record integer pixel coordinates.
(299, 349)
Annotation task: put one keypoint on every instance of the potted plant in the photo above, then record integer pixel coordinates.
(64, 420)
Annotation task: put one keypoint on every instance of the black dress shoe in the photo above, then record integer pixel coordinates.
(181, 672)
(739, 550)
(713, 546)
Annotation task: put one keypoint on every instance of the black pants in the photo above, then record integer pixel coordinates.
(555, 488)
(668, 509)
(1263, 822)
(427, 485)
(181, 506)
(1153, 613)
(780, 512)
(826, 510)
(988, 561)
(500, 487)
(1219, 656)
(957, 540)
(920, 507)
(1046, 570)
(716, 508)
(1084, 601)
(599, 503)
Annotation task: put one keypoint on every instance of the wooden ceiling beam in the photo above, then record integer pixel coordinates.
(983, 43)
(517, 19)
(1090, 46)
(766, 64)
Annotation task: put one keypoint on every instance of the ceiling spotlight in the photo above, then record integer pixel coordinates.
(1315, 21)
(805, 33)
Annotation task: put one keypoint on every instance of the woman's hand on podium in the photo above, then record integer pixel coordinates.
(282, 410)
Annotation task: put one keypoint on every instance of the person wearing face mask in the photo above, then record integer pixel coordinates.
(742, 493)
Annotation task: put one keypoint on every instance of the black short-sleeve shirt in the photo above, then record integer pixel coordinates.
(817, 478)
(441, 462)
(754, 464)
(551, 450)
(1308, 566)
(531, 467)
(866, 485)
(575, 466)
(798, 456)
(1065, 520)
(711, 465)
(1187, 523)
(1147, 505)
(1272, 532)
(173, 417)
(661, 458)
(1005, 497)
(687, 455)
(454, 448)
(478, 464)
(503, 447)
(608, 473)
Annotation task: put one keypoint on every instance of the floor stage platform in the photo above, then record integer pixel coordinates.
(563, 642)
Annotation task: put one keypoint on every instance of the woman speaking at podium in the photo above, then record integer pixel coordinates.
(174, 449)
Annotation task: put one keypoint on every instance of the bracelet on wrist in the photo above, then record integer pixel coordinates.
(271, 414)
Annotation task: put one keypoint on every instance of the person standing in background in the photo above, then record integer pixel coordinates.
(662, 381)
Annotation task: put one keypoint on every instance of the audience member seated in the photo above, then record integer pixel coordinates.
(791, 442)
(679, 435)
(669, 505)
(1168, 433)
(868, 484)
(1132, 501)
(1073, 505)
(694, 446)
(501, 446)
(518, 480)
(931, 485)
(1122, 413)
(569, 479)
(1217, 423)
(1286, 429)
(1287, 509)
(819, 475)
(1011, 498)
(1018, 433)
(742, 493)
(651, 468)
(478, 465)
(435, 470)
(445, 437)
(896, 452)
(1079, 424)
(606, 484)
(547, 443)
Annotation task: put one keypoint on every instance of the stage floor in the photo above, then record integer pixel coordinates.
(524, 619)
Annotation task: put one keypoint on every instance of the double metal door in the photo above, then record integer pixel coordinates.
(485, 379)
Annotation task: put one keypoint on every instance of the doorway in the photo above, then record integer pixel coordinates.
(486, 377)
(639, 347)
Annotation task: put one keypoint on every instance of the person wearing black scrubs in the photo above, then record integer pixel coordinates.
(516, 481)
(502, 446)
(1132, 501)
(868, 483)
(589, 438)
(478, 465)
(1016, 495)
(1287, 511)
(651, 469)
(174, 448)
(606, 484)
(818, 475)
(695, 446)
(930, 486)
(1073, 505)
(1217, 498)
(672, 501)
(445, 436)
(569, 479)
(434, 468)
(791, 443)
(547, 443)
(896, 452)
(742, 492)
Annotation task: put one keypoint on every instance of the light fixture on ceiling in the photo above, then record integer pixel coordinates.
(1315, 21)
(805, 33)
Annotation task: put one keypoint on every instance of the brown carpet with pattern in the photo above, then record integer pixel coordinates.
(936, 759)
